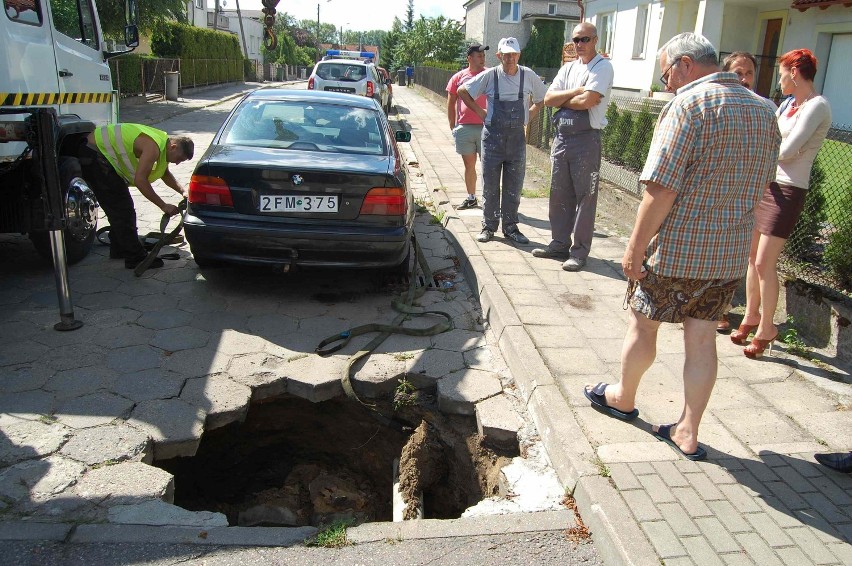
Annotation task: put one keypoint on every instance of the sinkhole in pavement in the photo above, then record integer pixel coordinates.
(296, 463)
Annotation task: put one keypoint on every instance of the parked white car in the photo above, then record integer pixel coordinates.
(350, 72)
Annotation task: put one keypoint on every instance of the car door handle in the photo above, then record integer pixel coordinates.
(64, 73)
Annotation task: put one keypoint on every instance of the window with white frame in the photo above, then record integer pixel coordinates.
(551, 9)
(641, 35)
(510, 12)
(199, 4)
(606, 29)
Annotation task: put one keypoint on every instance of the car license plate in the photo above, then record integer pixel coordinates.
(340, 89)
(300, 203)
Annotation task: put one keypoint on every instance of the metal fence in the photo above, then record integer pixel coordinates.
(820, 249)
(146, 75)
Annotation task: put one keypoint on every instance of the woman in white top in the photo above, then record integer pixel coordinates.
(804, 120)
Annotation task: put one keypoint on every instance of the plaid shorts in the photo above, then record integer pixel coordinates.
(673, 299)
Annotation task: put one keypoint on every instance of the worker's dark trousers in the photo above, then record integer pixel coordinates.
(114, 197)
(576, 162)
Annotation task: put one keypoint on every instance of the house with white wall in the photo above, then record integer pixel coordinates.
(487, 21)
(201, 13)
(632, 31)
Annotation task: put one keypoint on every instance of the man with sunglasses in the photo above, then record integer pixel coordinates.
(714, 149)
(578, 92)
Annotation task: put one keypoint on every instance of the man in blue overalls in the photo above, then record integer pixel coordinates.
(508, 88)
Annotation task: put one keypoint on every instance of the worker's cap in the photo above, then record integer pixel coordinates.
(508, 45)
(476, 48)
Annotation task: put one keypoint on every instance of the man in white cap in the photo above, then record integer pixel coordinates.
(578, 92)
(508, 88)
(464, 123)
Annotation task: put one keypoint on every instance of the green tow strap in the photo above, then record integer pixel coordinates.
(165, 237)
(405, 306)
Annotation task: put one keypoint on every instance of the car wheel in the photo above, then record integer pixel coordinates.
(403, 268)
(81, 215)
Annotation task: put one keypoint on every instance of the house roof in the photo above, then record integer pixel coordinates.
(802, 5)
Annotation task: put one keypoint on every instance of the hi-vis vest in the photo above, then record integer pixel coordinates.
(115, 142)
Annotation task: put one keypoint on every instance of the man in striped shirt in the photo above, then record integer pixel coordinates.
(714, 149)
(121, 155)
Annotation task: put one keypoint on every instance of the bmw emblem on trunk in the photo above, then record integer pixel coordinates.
(297, 179)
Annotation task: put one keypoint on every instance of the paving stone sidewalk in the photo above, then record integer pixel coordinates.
(760, 498)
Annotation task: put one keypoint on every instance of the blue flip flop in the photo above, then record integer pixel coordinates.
(596, 396)
(665, 433)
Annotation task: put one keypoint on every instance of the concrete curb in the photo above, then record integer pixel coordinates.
(474, 526)
(617, 535)
(218, 536)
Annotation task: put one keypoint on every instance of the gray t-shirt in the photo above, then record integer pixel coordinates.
(483, 83)
(597, 76)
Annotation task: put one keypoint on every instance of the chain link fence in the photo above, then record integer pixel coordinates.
(819, 251)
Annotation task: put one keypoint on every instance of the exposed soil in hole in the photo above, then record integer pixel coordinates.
(297, 463)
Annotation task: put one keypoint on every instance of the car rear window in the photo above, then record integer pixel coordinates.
(341, 72)
(306, 126)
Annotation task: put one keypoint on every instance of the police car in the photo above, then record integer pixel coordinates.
(350, 72)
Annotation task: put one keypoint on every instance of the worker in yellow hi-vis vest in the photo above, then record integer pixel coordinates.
(120, 155)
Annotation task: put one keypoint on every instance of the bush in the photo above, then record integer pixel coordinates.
(805, 234)
(637, 148)
(544, 49)
(610, 143)
(127, 74)
(837, 253)
(249, 70)
(623, 132)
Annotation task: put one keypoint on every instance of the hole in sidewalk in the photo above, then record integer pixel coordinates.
(295, 463)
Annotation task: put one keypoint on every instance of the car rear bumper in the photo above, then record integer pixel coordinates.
(346, 246)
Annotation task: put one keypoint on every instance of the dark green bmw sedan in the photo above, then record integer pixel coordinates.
(302, 178)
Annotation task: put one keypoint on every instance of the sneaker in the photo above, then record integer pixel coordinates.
(516, 236)
(549, 251)
(468, 203)
(485, 235)
(574, 264)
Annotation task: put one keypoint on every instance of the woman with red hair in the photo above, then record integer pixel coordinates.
(803, 119)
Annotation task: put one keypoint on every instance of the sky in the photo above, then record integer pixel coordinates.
(359, 15)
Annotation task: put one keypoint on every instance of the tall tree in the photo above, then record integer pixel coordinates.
(389, 44)
(150, 11)
(439, 39)
(409, 16)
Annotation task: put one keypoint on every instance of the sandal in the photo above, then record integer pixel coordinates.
(740, 335)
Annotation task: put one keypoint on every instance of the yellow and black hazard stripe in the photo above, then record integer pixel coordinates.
(45, 98)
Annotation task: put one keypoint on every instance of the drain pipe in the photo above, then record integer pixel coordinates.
(398, 502)
(582, 9)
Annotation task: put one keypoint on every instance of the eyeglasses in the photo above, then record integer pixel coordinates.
(664, 78)
(584, 39)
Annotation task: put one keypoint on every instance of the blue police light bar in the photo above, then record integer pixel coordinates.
(345, 53)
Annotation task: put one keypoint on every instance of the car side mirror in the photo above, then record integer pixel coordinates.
(402, 136)
(131, 36)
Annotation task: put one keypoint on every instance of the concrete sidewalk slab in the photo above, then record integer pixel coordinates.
(759, 498)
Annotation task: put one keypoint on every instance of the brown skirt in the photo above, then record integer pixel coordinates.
(779, 210)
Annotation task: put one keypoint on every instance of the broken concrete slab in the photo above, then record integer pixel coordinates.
(159, 513)
(459, 392)
(315, 379)
(126, 483)
(24, 440)
(261, 372)
(97, 409)
(111, 443)
(174, 425)
(498, 422)
(38, 480)
(224, 400)
(379, 376)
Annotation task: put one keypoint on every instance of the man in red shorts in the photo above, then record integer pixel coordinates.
(690, 243)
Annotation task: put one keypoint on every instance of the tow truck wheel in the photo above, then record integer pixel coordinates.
(81, 214)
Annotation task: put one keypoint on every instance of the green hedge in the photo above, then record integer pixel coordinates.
(627, 136)
(191, 44)
(126, 73)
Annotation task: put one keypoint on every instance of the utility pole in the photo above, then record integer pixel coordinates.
(242, 31)
(216, 16)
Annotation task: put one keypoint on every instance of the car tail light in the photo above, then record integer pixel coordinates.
(370, 89)
(311, 83)
(204, 189)
(385, 201)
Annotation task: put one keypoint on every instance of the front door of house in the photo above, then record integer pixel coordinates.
(766, 65)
